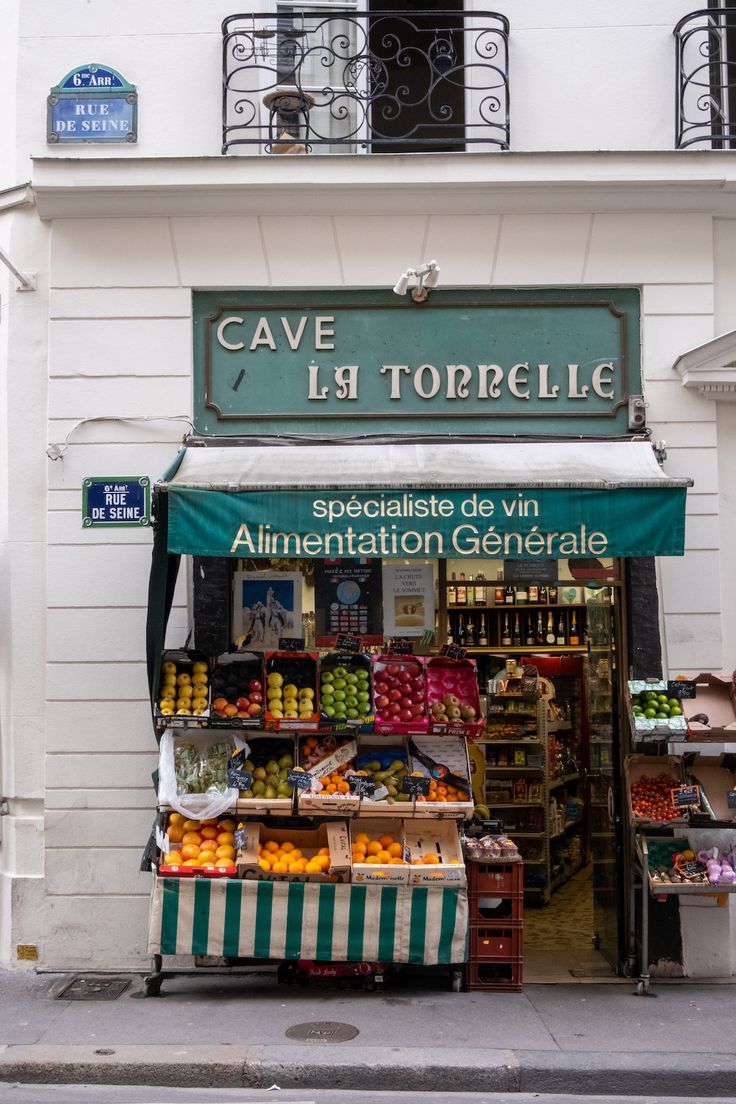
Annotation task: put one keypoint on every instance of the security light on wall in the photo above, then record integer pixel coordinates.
(427, 276)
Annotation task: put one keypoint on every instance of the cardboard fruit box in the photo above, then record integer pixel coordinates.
(327, 756)
(237, 683)
(399, 694)
(716, 782)
(345, 694)
(453, 699)
(380, 873)
(376, 756)
(715, 699)
(180, 711)
(652, 728)
(295, 671)
(333, 835)
(436, 757)
(440, 839)
(650, 767)
(261, 751)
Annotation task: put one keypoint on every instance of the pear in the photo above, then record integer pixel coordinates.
(270, 793)
(259, 774)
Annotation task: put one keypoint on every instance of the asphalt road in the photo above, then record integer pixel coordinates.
(98, 1094)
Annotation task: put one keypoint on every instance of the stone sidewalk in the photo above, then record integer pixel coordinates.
(230, 1031)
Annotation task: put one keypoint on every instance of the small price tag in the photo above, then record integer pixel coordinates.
(685, 796)
(453, 651)
(239, 837)
(361, 787)
(415, 785)
(299, 779)
(346, 642)
(731, 799)
(529, 685)
(238, 778)
(692, 869)
(401, 646)
(682, 688)
(291, 643)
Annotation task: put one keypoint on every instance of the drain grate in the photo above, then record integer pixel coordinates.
(322, 1031)
(93, 988)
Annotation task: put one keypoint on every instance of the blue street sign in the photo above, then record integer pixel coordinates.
(93, 104)
(114, 502)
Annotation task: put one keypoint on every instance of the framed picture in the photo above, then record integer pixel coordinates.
(266, 606)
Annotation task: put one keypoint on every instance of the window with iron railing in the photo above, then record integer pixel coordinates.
(706, 78)
(326, 79)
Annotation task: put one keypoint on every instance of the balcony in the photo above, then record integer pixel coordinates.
(706, 79)
(340, 81)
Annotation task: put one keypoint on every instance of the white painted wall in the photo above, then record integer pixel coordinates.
(109, 335)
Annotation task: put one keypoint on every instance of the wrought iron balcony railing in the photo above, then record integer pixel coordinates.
(706, 79)
(298, 81)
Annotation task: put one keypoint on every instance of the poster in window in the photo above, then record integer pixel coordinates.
(267, 605)
(347, 599)
(408, 600)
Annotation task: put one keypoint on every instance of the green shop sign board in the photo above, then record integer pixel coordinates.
(517, 524)
(554, 362)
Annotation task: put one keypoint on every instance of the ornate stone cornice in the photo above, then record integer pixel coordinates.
(710, 369)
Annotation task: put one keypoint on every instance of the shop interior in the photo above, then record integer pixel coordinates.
(544, 767)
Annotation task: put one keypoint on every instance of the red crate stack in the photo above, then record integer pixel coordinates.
(496, 914)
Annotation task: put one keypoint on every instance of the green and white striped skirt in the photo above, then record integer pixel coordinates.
(424, 925)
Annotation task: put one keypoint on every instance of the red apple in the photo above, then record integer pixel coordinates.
(393, 709)
(255, 684)
(406, 715)
(393, 669)
(394, 695)
(255, 696)
(381, 701)
(417, 709)
(242, 703)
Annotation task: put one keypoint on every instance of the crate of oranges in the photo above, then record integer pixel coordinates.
(444, 760)
(198, 847)
(435, 853)
(328, 759)
(378, 851)
(291, 854)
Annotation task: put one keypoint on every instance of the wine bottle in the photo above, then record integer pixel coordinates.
(574, 637)
(533, 593)
(452, 592)
(461, 592)
(522, 594)
(480, 591)
(483, 633)
(499, 593)
(506, 637)
(470, 632)
(552, 595)
(561, 636)
(543, 594)
(450, 638)
(461, 630)
(509, 595)
(516, 639)
(539, 634)
(530, 629)
(550, 634)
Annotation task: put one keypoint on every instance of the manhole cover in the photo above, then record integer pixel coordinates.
(93, 988)
(322, 1031)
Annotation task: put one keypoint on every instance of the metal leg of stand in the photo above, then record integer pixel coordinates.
(642, 988)
(153, 982)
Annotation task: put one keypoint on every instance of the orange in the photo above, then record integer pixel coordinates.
(385, 840)
(371, 858)
(176, 819)
(226, 825)
(225, 851)
(264, 864)
(331, 788)
(286, 847)
(312, 867)
(190, 850)
(343, 787)
(295, 854)
(326, 780)
(429, 858)
(323, 861)
(396, 862)
(298, 866)
(395, 850)
(173, 858)
(383, 857)
(209, 833)
(191, 825)
(191, 837)
(175, 834)
(190, 862)
(373, 847)
(323, 851)
(270, 845)
(206, 857)
(362, 838)
(226, 837)
(279, 867)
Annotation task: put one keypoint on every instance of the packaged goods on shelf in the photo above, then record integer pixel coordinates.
(268, 758)
(453, 699)
(435, 853)
(183, 693)
(399, 694)
(345, 695)
(329, 842)
(193, 775)
(237, 691)
(379, 851)
(291, 691)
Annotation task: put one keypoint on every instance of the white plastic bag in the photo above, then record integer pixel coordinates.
(194, 806)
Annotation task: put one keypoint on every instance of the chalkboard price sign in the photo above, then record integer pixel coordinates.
(453, 651)
(360, 786)
(299, 779)
(540, 571)
(239, 837)
(399, 646)
(731, 799)
(685, 796)
(238, 778)
(346, 642)
(682, 688)
(692, 869)
(415, 785)
(291, 643)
